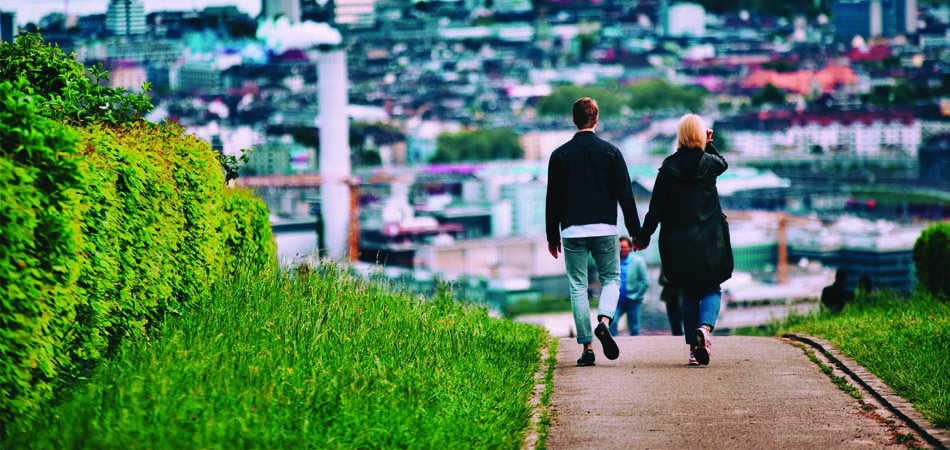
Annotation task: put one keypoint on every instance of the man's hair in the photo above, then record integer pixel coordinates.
(624, 238)
(691, 132)
(585, 113)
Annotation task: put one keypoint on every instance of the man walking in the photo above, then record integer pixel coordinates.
(587, 177)
(633, 284)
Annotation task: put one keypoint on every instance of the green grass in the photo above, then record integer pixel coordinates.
(544, 423)
(307, 361)
(904, 341)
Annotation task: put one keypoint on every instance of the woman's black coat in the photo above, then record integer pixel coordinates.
(694, 243)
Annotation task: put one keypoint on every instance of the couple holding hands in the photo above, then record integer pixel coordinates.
(587, 178)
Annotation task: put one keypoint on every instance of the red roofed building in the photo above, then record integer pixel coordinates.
(803, 81)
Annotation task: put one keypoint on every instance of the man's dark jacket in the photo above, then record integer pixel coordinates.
(587, 177)
(694, 243)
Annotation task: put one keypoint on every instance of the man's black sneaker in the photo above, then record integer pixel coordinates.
(586, 359)
(611, 351)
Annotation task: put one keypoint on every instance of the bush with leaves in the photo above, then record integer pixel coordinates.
(68, 92)
(105, 228)
(931, 253)
(40, 244)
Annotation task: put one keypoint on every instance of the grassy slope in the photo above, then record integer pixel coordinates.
(904, 341)
(312, 361)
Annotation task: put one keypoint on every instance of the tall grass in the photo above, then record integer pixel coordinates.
(312, 360)
(905, 341)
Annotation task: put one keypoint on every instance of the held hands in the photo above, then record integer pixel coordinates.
(640, 243)
(554, 248)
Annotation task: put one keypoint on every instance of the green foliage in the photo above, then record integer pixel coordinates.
(308, 360)
(780, 65)
(931, 253)
(654, 95)
(561, 100)
(105, 230)
(66, 91)
(39, 248)
(647, 95)
(477, 145)
(770, 7)
(232, 165)
(769, 94)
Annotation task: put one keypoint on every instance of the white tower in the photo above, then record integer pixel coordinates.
(334, 152)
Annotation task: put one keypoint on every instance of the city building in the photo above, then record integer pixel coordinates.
(272, 9)
(7, 26)
(862, 133)
(355, 13)
(527, 207)
(934, 158)
(871, 18)
(684, 19)
(197, 76)
(126, 17)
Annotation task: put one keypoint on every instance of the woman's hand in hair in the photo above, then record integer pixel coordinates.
(709, 133)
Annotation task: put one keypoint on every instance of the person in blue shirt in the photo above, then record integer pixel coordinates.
(633, 284)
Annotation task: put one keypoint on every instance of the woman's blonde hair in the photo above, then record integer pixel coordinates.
(691, 132)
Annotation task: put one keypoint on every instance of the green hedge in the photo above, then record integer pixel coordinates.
(103, 230)
(39, 248)
(931, 253)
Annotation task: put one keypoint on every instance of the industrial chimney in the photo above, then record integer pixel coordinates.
(334, 152)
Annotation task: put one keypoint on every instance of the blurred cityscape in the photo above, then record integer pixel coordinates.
(833, 115)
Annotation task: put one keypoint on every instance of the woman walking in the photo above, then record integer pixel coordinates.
(694, 243)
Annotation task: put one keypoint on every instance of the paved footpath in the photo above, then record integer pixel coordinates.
(756, 393)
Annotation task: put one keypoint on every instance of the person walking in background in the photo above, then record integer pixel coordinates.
(633, 284)
(587, 178)
(673, 297)
(695, 249)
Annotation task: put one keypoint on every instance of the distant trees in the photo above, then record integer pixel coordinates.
(769, 94)
(930, 254)
(560, 101)
(652, 95)
(648, 95)
(770, 7)
(477, 145)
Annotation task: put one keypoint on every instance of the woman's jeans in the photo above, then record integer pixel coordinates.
(698, 309)
(606, 253)
(632, 309)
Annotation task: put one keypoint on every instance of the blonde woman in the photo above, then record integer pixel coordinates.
(694, 243)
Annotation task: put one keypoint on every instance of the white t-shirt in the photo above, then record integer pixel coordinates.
(589, 230)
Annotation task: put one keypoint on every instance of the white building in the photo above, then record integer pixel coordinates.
(355, 13)
(685, 18)
(859, 133)
(126, 17)
(527, 207)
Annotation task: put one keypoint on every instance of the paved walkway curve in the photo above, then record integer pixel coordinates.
(756, 393)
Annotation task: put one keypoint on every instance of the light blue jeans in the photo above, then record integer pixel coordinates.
(606, 253)
(699, 309)
(632, 309)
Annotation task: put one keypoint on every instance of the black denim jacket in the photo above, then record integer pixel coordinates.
(587, 177)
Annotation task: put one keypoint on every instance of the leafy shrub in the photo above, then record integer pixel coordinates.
(68, 94)
(931, 253)
(104, 229)
(39, 247)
